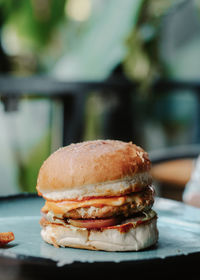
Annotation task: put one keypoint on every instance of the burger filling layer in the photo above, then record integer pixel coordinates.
(115, 222)
(99, 212)
(104, 207)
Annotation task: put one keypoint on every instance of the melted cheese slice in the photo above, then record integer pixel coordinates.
(62, 207)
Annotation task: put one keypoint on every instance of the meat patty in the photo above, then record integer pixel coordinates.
(141, 201)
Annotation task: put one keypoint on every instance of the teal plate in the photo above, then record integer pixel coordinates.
(178, 224)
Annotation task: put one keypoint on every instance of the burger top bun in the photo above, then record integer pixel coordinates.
(94, 168)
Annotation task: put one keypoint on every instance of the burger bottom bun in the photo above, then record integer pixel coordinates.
(111, 239)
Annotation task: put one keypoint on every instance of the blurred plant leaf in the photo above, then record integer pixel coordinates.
(33, 20)
(28, 171)
(98, 49)
(180, 41)
(142, 62)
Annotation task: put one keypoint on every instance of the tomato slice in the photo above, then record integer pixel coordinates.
(94, 223)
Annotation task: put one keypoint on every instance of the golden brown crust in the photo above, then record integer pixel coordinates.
(91, 162)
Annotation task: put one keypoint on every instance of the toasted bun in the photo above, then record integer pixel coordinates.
(122, 238)
(94, 168)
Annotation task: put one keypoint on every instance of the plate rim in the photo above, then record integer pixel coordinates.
(47, 261)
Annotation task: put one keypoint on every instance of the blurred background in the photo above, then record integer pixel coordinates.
(74, 70)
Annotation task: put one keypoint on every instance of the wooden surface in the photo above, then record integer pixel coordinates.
(173, 172)
(172, 176)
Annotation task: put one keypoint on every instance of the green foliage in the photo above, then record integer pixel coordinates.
(33, 19)
(142, 62)
(99, 47)
(28, 169)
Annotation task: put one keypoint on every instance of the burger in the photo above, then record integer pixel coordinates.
(98, 196)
